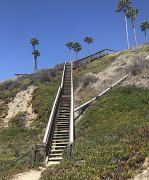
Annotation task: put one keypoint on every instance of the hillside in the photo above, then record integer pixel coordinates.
(112, 135)
(25, 105)
(105, 146)
(111, 138)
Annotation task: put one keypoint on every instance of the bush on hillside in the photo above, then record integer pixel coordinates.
(88, 79)
(138, 66)
(18, 120)
(59, 67)
(10, 84)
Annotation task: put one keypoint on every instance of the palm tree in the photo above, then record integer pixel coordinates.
(35, 54)
(88, 40)
(77, 47)
(132, 14)
(34, 41)
(144, 26)
(123, 6)
(70, 46)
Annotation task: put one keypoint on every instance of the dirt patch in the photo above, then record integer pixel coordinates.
(144, 174)
(32, 174)
(21, 103)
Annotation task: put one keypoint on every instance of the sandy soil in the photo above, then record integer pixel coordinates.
(118, 69)
(21, 103)
(30, 175)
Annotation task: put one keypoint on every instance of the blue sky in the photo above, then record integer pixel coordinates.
(54, 22)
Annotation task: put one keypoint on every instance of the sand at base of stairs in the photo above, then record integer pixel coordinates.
(33, 174)
(30, 175)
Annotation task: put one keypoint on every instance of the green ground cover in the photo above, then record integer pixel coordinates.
(111, 138)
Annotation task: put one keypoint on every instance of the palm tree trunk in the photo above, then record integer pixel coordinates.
(145, 37)
(76, 56)
(134, 31)
(127, 38)
(34, 61)
(88, 49)
(35, 64)
(70, 54)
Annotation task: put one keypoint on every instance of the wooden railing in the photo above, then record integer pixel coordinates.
(72, 126)
(86, 104)
(49, 130)
(90, 58)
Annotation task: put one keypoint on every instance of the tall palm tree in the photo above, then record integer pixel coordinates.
(35, 54)
(70, 46)
(34, 41)
(77, 47)
(132, 14)
(144, 26)
(88, 40)
(123, 6)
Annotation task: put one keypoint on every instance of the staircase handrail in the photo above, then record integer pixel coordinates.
(71, 130)
(96, 97)
(47, 132)
(53, 111)
(62, 81)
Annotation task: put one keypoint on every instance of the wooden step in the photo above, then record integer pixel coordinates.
(57, 144)
(63, 118)
(55, 155)
(61, 131)
(66, 105)
(62, 122)
(60, 140)
(61, 137)
(60, 134)
(61, 128)
(55, 159)
(63, 111)
(62, 125)
(57, 151)
(58, 147)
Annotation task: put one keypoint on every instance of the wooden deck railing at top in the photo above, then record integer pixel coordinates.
(90, 58)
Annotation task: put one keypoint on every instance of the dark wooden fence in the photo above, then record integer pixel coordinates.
(88, 59)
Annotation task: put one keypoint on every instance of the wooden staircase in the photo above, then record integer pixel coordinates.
(61, 122)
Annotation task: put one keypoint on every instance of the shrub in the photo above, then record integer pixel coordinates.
(88, 79)
(18, 120)
(10, 84)
(146, 48)
(138, 66)
(59, 67)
